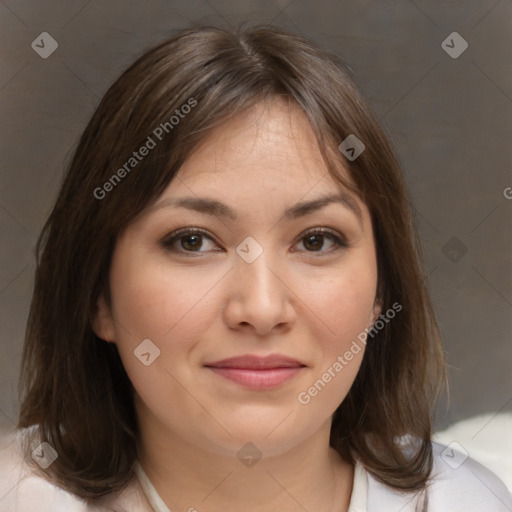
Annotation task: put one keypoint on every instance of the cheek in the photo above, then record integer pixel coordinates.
(338, 310)
(336, 366)
(340, 307)
(169, 306)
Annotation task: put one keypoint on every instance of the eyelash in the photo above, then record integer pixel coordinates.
(168, 241)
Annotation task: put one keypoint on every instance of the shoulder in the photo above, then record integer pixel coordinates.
(457, 484)
(22, 489)
(461, 483)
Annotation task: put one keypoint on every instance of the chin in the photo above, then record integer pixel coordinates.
(266, 439)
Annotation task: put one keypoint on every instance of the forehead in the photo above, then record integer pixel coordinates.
(270, 145)
(258, 167)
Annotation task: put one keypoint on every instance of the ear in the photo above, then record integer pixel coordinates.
(103, 321)
(377, 310)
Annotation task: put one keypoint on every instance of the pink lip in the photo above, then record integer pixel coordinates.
(257, 372)
(258, 379)
(255, 362)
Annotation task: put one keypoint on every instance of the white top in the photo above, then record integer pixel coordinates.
(357, 500)
(459, 484)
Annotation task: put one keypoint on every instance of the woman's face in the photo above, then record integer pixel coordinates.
(269, 267)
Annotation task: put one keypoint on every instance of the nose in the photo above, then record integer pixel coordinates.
(259, 297)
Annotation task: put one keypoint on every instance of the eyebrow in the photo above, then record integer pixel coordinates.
(216, 208)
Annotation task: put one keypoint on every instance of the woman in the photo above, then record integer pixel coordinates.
(229, 310)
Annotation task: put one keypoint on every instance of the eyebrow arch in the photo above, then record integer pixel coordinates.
(216, 208)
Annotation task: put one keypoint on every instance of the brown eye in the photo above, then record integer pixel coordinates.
(189, 240)
(315, 241)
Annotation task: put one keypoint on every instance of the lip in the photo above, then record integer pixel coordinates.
(258, 379)
(255, 362)
(257, 372)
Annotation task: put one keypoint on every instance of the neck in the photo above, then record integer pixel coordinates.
(309, 476)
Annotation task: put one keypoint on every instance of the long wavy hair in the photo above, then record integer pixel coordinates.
(74, 389)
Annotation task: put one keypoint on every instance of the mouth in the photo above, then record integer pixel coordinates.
(258, 379)
(256, 372)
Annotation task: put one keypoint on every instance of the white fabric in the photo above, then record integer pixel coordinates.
(468, 488)
(154, 499)
(357, 500)
(487, 438)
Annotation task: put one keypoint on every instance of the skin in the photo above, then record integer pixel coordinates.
(208, 304)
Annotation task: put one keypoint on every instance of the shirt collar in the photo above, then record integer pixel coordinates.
(358, 498)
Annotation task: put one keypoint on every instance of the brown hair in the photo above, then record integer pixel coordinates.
(75, 389)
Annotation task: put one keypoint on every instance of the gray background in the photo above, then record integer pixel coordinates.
(450, 120)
